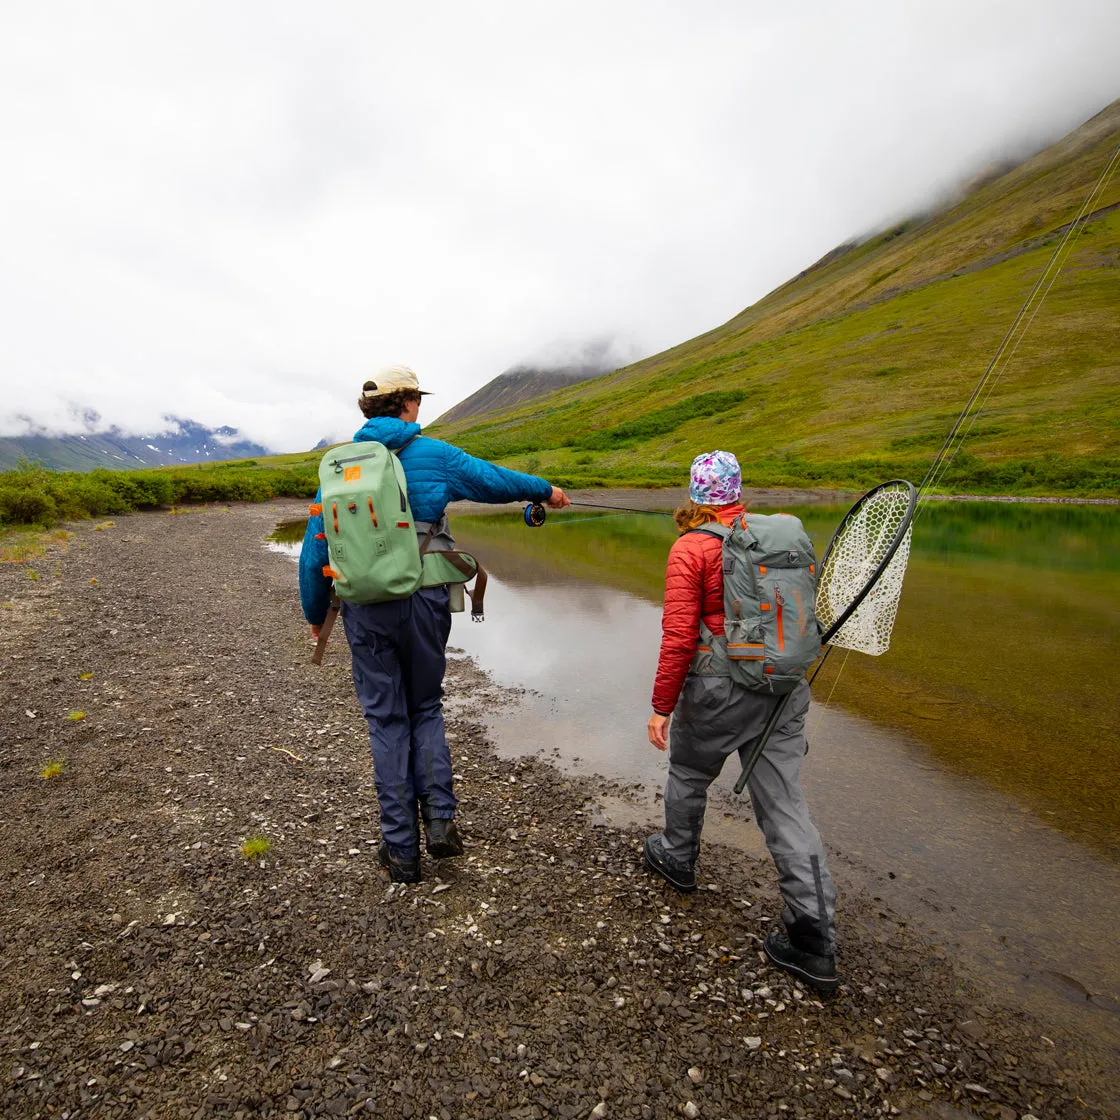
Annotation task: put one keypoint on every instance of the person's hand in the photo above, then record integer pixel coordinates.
(315, 633)
(658, 731)
(557, 499)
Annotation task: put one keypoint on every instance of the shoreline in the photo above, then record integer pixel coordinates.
(544, 974)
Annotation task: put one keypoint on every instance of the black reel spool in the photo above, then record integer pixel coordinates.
(534, 515)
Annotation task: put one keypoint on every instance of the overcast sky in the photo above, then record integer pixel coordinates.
(236, 212)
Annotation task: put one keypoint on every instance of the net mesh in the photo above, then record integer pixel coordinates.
(857, 551)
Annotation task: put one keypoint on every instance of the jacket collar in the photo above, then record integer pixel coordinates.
(388, 430)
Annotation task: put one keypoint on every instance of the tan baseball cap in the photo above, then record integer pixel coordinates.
(392, 380)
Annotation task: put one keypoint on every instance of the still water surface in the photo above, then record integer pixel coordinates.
(968, 777)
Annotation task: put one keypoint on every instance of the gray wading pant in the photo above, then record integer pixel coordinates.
(715, 718)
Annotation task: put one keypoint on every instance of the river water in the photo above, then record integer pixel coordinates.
(968, 778)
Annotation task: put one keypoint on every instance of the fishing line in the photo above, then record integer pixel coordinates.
(576, 520)
(943, 459)
(1088, 208)
(828, 699)
(984, 388)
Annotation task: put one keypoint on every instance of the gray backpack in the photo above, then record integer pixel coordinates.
(769, 586)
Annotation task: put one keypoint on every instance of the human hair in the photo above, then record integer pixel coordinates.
(388, 404)
(694, 516)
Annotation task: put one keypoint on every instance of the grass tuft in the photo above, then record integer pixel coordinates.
(76, 715)
(256, 847)
(53, 768)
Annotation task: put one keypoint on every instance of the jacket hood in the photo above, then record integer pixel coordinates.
(388, 430)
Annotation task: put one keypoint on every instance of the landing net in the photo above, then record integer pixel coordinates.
(865, 565)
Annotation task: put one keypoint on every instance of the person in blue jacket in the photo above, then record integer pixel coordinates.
(398, 648)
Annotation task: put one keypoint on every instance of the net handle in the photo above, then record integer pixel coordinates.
(850, 609)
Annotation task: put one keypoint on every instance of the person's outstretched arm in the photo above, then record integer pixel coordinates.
(477, 480)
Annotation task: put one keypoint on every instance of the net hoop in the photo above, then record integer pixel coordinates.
(891, 554)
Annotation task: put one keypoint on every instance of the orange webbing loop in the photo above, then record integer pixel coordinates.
(315, 509)
(334, 514)
(373, 516)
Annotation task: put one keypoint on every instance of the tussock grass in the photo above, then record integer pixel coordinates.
(18, 546)
(53, 768)
(256, 847)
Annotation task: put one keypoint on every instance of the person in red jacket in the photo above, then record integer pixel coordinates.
(713, 718)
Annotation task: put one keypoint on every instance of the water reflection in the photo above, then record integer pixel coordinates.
(982, 872)
(1005, 660)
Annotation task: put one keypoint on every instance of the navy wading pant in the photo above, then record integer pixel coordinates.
(716, 718)
(399, 658)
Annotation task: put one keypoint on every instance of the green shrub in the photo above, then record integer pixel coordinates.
(25, 505)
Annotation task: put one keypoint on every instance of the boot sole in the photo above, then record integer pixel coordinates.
(445, 851)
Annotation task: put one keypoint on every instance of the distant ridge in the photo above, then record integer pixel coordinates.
(184, 441)
(517, 386)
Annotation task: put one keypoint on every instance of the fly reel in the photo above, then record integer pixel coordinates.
(534, 515)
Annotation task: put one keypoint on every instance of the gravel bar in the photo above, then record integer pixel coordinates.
(149, 968)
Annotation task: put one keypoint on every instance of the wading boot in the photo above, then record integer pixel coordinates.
(401, 870)
(677, 875)
(442, 838)
(818, 972)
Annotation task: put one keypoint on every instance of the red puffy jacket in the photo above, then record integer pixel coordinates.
(693, 590)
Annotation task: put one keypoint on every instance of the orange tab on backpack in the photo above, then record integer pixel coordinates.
(351, 474)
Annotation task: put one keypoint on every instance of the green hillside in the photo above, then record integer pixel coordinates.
(857, 368)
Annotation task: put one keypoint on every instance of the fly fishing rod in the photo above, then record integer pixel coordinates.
(535, 514)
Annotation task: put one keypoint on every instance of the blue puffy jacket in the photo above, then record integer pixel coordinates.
(436, 473)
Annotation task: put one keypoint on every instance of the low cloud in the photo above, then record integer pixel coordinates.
(236, 214)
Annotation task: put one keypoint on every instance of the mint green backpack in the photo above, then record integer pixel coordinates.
(769, 586)
(371, 537)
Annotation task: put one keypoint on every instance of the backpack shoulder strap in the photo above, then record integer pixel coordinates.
(397, 450)
(713, 529)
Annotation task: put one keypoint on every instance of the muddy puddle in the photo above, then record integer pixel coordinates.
(955, 794)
